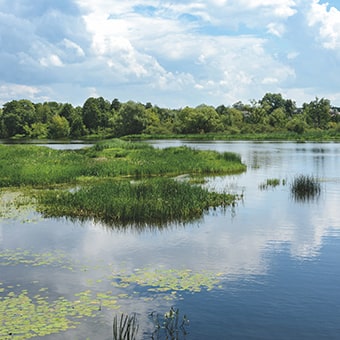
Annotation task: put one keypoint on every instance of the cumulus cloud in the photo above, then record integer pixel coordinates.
(327, 22)
(170, 52)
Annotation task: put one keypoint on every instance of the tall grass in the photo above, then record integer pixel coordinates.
(125, 327)
(37, 165)
(305, 188)
(156, 201)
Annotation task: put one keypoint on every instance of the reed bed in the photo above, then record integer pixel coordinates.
(23, 165)
(305, 187)
(152, 201)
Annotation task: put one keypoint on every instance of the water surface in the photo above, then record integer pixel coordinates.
(275, 259)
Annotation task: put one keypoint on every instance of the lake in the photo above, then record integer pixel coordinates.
(267, 268)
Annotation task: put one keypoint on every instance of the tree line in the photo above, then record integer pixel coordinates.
(97, 116)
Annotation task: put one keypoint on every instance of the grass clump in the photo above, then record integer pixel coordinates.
(271, 182)
(152, 201)
(305, 187)
(27, 165)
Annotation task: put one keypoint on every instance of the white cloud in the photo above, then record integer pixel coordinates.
(73, 46)
(51, 60)
(327, 21)
(174, 52)
(11, 91)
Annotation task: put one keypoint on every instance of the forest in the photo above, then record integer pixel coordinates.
(100, 118)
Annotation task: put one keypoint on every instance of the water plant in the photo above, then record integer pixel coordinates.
(125, 327)
(305, 187)
(170, 325)
(37, 311)
(23, 165)
(153, 201)
(271, 182)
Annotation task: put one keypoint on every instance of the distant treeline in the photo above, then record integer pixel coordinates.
(100, 117)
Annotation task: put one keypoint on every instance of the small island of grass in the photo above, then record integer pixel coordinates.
(117, 182)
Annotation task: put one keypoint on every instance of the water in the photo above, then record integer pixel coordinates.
(275, 259)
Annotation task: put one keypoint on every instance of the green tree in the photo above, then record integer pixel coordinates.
(115, 105)
(77, 127)
(201, 119)
(16, 115)
(272, 101)
(67, 111)
(58, 127)
(91, 114)
(38, 130)
(96, 113)
(297, 124)
(278, 118)
(130, 119)
(318, 113)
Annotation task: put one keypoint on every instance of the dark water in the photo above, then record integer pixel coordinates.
(276, 259)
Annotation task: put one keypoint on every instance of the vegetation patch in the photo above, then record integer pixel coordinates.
(153, 201)
(26, 165)
(271, 183)
(26, 314)
(305, 187)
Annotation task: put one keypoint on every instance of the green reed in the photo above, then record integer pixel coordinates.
(155, 201)
(37, 165)
(305, 187)
(125, 327)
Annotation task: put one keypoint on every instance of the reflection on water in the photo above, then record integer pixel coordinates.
(275, 259)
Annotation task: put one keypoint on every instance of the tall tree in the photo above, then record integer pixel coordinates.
(318, 112)
(16, 115)
(130, 119)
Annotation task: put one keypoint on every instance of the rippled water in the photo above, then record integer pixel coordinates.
(276, 259)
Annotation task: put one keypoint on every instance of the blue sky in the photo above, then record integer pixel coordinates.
(169, 53)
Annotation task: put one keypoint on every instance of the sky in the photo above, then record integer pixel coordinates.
(170, 53)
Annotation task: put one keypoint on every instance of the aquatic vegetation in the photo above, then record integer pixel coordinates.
(25, 317)
(154, 201)
(125, 327)
(168, 280)
(305, 187)
(23, 165)
(170, 325)
(271, 182)
(26, 314)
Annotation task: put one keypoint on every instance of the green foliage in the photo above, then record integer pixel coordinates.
(36, 165)
(202, 119)
(157, 201)
(37, 312)
(99, 118)
(318, 113)
(271, 182)
(59, 127)
(130, 119)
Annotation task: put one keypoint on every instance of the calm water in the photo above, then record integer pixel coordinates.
(276, 260)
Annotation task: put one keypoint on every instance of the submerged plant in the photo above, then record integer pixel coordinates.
(305, 187)
(125, 327)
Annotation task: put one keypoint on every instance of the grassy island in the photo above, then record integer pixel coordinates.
(117, 182)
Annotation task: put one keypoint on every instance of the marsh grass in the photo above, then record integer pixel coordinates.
(155, 201)
(271, 183)
(27, 165)
(125, 327)
(170, 326)
(305, 187)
